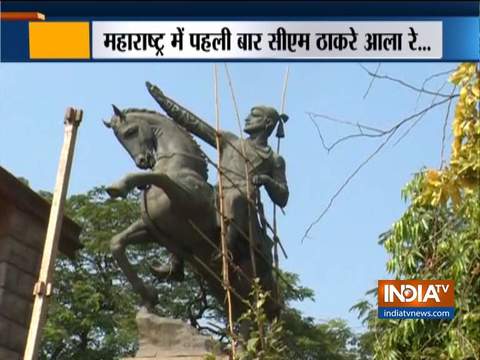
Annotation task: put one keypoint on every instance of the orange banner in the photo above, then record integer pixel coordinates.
(59, 40)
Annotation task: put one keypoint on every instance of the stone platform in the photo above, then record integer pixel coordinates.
(169, 339)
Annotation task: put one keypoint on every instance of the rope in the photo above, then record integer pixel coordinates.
(226, 278)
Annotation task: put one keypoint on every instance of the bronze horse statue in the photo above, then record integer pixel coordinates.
(179, 208)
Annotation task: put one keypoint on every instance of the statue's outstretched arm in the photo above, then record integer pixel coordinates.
(182, 116)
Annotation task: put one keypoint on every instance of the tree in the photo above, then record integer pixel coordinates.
(91, 315)
(438, 238)
(308, 339)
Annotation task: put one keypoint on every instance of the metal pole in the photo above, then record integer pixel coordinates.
(43, 287)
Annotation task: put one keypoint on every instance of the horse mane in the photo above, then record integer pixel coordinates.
(189, 136)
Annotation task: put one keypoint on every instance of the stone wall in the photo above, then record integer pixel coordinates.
(23, 224)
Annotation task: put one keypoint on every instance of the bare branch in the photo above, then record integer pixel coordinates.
(322, 140)
(345, 122)
(378, 132)
(345, 183)
(389, 133)
(444, 130)
(403, 83)
(429, 78)
(359, 126)
(203, 300)
(415, 123)
(371, 81)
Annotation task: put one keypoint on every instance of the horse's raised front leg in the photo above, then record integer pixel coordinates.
(135, 234)
(176, 193)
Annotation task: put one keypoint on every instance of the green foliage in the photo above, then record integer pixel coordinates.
(266, 340)
(295, 337)
(438, 237)
(308, 340)
(91, 315)
(292, 290)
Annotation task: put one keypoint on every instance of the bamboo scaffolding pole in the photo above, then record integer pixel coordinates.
(251, 203)
(225, 266)
(43, 287)
(276, 240)
(247, 178)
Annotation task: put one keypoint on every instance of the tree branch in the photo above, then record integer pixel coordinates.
(444, 130)
(388, 133)
(359, 126)
(415, 123)
(203, 300)
(421, 90)
(372, 80)
(431, 77)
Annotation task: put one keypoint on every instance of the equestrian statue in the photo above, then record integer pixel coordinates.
(180, 209)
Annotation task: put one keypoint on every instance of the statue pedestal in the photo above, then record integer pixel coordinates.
(169, 339)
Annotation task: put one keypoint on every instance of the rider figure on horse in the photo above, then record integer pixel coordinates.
(265, 167)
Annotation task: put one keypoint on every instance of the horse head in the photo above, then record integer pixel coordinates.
(136, 136)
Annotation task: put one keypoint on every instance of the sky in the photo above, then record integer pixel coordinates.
(341, 258)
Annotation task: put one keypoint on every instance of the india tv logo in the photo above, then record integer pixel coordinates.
(416, 299)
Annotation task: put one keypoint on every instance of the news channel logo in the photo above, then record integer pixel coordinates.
(416, 299)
